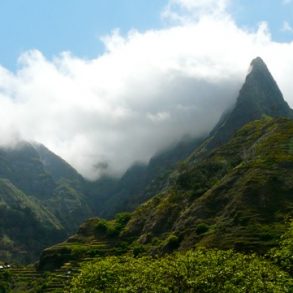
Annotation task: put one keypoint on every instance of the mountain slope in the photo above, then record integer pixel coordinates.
(57, 167)
(238, 196)
(26, 226)
(21, 164)
(41, 174)
(140, 182)
(248, 184)
(42, 186)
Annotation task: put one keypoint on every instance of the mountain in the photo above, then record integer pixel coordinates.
(233, 192)
(39, 173)
(51, 188)
(259, 96)
(237, 197)
(190, 194)
(22, 166)
(68, 199)
(236, 184)
(41, 195)
(57, 167)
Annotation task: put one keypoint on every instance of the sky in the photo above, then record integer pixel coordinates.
(54, 26)
(107, 83)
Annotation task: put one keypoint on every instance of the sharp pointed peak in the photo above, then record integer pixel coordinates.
(259, 96)
(257, 61)
(258, 65)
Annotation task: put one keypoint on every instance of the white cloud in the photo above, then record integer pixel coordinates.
(188, 10)
(285, 2)
(287, 27)
(145, 92)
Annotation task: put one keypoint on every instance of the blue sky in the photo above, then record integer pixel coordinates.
(53, 26)
(275, 12)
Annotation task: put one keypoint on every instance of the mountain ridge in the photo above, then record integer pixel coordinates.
(233, 192)
(184, 170)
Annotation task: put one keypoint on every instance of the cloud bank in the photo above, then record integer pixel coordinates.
(146, 91)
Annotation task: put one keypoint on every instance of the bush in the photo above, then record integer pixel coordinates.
(112, 228)
(138, 249)
(195, 271)
(101, 227)
(202, 228)
(172, 242)
(283, 255)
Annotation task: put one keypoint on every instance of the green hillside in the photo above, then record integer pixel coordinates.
(140, 182)
(42, 201)
(237, 196)
(26, 226)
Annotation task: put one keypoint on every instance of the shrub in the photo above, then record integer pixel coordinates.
(202, 228)
(172, 242)
(283, 255)
(194, 271)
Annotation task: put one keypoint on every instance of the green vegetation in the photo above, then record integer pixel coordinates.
(95, 238)
(41, 201)
(202, 228)
(283, 255)
(194, 271)
(25, 225)
(197, 270)
(236, 196)
(5, 281)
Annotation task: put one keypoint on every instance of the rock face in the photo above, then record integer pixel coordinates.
(259, 96)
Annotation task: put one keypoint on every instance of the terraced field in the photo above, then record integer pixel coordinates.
(28, 279)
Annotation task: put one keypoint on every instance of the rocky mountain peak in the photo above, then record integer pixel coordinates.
(259, 96)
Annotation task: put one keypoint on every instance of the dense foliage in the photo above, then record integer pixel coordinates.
(199, 270)
(5, 281)
(283, 255)
(194, 271)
